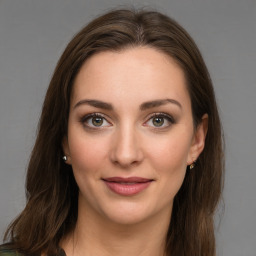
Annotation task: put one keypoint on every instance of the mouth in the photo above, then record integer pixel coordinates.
(127, 186)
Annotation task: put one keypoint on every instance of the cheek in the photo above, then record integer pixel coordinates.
(87, 154)
(169, 160)
(87, 158)
(170, 153)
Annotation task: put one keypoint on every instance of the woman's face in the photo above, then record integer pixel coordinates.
(130, 134)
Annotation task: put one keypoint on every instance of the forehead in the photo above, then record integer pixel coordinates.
(140, 73)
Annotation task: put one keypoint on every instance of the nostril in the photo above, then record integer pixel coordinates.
(126, 163)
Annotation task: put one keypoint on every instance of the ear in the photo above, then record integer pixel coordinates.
(198, 140)
(65, 148)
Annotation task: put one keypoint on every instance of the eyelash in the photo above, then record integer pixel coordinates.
(85, 119)
(165, 116)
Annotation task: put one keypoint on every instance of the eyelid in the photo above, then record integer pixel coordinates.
(168, 117)
(86, 117)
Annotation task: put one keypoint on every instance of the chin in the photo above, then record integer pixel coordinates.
(131, 213)
(127, 217)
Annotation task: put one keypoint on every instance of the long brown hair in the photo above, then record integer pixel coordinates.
(52, 193)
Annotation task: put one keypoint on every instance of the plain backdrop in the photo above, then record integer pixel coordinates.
(33, 34)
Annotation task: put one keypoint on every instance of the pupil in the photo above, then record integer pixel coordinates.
(97, 121)
(158, 121)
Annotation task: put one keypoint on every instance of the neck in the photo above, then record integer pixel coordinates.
(95, 235)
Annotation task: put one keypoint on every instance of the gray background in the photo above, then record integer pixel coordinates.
(33, 34)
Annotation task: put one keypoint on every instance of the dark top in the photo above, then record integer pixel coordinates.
(9, 252)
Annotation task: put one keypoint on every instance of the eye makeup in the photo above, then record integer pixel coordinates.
(160, 122)
(94, 121)
(157, 121)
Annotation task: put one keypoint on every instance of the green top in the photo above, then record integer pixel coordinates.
(8, 252)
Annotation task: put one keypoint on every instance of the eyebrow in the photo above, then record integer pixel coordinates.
(94, 103)
(157, 103)
(143, 106)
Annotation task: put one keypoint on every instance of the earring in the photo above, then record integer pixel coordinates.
(191, 166)
(64, 158)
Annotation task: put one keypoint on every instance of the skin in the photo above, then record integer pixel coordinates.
(128, 141)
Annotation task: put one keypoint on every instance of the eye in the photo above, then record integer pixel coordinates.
(160, 120)
(95, 120)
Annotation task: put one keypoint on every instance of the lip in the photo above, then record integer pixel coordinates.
(127, 186)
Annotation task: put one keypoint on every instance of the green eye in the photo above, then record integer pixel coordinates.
(158, 121)
(97, 121)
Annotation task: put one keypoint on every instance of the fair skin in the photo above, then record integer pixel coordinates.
(130, 116)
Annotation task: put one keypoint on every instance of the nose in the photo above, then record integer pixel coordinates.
(126, 149)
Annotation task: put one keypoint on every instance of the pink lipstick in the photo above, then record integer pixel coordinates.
(127, 186)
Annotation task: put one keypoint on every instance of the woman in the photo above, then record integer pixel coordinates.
(128, 158)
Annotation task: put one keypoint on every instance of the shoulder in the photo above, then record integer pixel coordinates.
(9, 252)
